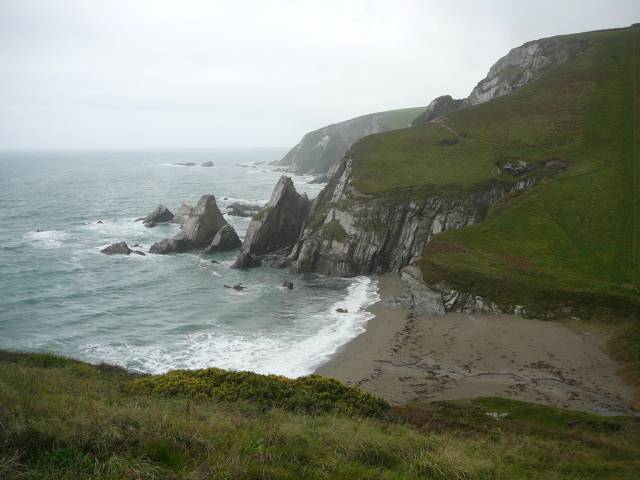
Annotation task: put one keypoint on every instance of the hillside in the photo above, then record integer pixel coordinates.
(527, 202)
(319, 151)
(63, 419)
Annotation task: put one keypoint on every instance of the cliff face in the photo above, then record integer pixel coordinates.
(523, 65)
(321, 150)
(349, 234)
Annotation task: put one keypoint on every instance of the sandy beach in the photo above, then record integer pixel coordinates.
(403, 357)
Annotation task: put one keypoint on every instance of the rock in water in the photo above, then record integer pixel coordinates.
(160, 215)
(169, 245)
(342, 310)
(120, 248)
(204, 222)
(225, 239)
(198, 231)
(238, 209)
(206, 164)
(186, 164)
(277, 226)
(287, 284)
(246, 260)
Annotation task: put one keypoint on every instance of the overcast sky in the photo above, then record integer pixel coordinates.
(162, 74)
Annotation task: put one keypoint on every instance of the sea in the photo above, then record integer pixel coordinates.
(156, 313)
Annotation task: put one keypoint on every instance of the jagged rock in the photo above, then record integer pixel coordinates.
(437, 108)
(246, 260)
(161, 214)
(320, 179)
(203, 223)
(238, 209)
(278, 225)
(120, 248)
(287, 284)
(207, 164)
(342, 310)
(99, 221)
(225, 239)
(198, 230)
(182, 213)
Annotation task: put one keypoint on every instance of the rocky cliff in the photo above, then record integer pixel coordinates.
(321, 150)
(348, 233)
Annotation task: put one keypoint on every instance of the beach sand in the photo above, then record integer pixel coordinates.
(402, 358)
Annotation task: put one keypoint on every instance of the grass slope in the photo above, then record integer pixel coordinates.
(63, 419)
(571, 243)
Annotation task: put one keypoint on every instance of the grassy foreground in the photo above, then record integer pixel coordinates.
(63, 419)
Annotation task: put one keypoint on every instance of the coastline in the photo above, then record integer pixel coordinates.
(403, 358)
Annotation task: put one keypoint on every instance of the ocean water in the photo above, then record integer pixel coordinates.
(154, 313)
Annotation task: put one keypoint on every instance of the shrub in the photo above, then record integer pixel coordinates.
(312, 394)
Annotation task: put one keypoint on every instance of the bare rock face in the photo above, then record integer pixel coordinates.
(198, 230)
(276, 227)
(225, 239)
(160, 215)
(523, 65)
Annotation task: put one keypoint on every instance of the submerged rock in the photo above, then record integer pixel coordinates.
(246, 260)
(120, 248)
(238, 287)
(186, 164)
(288, 285)
(342, 310)
(206, 164)
(225, 239)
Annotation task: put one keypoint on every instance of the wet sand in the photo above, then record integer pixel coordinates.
(402, 358)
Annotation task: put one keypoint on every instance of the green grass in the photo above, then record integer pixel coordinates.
(571, 241)
(401, 118)
(63, 419)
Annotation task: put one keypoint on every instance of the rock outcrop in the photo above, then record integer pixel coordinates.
(523, 65)
(439, 107)
(246, 260)
(225, 239)
(161, 214)
(198, 230)
(277, 226)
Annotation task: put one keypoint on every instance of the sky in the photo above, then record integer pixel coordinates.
(112, 74)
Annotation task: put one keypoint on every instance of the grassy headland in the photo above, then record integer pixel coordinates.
(570, 244)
